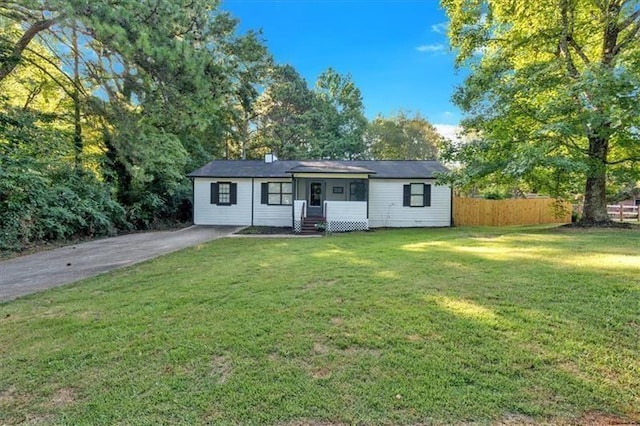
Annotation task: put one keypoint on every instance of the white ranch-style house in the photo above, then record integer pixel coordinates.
(344, 195)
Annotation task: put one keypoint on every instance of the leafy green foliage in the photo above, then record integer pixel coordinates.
(282, 111)
(133, 95)
(296, 122)
(47, 202)
(341, 124)
(403, 138)
(551, 100)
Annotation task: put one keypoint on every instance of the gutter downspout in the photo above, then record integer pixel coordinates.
(253, 198)
(193, 200)
(367, 191)
(294, 189)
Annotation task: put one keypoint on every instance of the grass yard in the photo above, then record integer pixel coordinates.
(441, 326)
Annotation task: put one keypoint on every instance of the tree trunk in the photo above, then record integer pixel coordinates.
(595, 201)
(14, 58)
(77, 116)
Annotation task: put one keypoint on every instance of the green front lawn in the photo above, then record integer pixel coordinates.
(509, 326)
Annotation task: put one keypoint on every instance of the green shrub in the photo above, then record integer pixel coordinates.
(48, 203)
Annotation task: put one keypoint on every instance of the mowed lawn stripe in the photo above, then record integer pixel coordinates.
(485, 325)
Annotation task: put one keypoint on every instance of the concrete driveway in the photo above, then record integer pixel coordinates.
(40, 271)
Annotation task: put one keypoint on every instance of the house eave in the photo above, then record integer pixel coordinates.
(331, 175)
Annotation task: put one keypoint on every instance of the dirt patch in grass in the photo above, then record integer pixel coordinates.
(360, 351)
(321, 373)
(515, 419)
(588, 419)
(220, 368)
(319, 283)
(7, 396)
(63, 397)
(311, 423)
(33, 419)
(320, 349)
(595, 418)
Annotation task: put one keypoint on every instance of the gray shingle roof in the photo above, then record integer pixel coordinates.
(393, 169)
(330, 167)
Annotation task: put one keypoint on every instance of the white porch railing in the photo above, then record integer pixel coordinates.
(299, 213)
(345, 216)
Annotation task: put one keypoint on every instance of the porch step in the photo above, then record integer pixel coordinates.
(309, 225)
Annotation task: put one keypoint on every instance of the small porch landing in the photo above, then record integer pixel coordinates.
(309, 225)
(339, 216)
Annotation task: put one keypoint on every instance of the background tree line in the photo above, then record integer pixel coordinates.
(105, 106)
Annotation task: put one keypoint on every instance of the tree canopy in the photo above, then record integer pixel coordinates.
(402, 137)
(130, 95)
(296, 122)
(552, 95)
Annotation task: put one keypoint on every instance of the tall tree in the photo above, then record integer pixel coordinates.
(553, 91)
(281, 116)
(165, 81)
(296, 122)
(339, 121)
(403, 138)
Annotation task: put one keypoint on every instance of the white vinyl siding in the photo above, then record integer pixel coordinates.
(272, 214)
(206, 213)
(386, 204)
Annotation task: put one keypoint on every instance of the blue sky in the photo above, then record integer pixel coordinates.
(396, 51)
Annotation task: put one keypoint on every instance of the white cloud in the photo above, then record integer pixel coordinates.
(440, 28)
(449, 131)
(431, 48)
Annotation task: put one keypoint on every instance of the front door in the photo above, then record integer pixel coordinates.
(315, 199)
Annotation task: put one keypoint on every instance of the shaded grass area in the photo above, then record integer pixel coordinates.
(394, 327)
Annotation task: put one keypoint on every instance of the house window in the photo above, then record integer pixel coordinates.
(224, 193)
(357, 191)
(417, 195)
(277, 193)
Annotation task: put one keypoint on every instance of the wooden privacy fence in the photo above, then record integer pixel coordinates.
(525, 211)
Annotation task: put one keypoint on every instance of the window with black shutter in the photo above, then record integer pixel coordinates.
(416, 195)
(224, 193)
(427, 195)
(214, 193)
(277, 193)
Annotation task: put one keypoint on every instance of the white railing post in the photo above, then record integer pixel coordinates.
(325, 213)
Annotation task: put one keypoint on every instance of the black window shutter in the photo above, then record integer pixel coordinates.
(264, 199)
(427, 195)
(214, 193)
(406, 199)
(233, 196)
